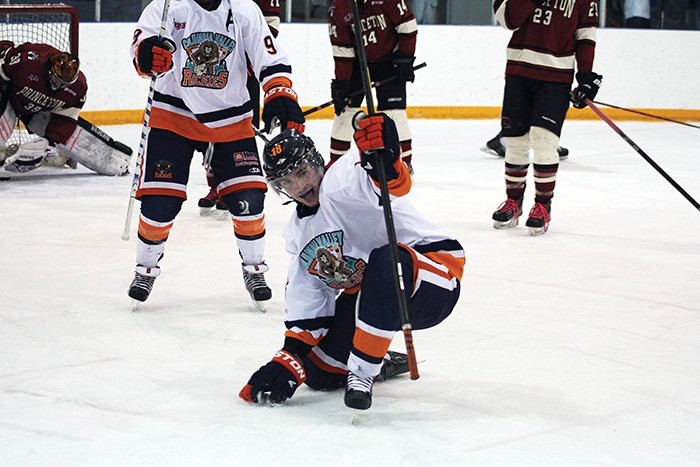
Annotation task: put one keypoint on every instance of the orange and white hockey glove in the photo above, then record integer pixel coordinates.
(155, 55)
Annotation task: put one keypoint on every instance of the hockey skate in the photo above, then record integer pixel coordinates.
(141, 286)
(538, 220)
(358, 392)
(507, 214)
(494, 147)
(254, 279)
(221, 212)
(208, 202)
(395, 363)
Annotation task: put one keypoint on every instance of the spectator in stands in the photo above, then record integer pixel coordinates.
(637, 14)
(424, 10)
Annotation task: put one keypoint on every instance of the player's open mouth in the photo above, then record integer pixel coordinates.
(307, 196)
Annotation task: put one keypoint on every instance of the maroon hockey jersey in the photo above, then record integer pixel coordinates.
(388, 26)
(271, 12)
(24, 68)
(548, 38)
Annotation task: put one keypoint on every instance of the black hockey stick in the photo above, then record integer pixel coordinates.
(658, 117)
(358, 92)
(109, 141)
(651, 162)
(386, 203)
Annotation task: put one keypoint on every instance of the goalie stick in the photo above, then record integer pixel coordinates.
(108, 140)
(386, 202)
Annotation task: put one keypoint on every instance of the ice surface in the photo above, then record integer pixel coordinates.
(578, 347)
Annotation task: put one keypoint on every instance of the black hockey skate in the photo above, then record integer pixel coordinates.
(395, 363)
(563, 153)
(254, 279)
(494, 147)
(221, 213)
(538, 220)
(507, 214)
(142, 284)
(358, 392)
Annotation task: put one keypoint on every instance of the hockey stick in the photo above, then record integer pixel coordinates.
(144, 129)
(647, 115)
(376, 84)
(668, 178)
(386, 203)
(108, 140)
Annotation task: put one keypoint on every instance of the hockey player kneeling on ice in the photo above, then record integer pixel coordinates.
(44, 88)
(337, 240)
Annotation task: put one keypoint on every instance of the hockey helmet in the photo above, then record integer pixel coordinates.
(64, 69)
(287, 151)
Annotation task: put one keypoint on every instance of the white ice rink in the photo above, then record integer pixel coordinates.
(580, 347)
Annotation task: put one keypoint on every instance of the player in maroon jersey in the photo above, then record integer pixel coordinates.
(549, 38)
(389, 35)
(271, 12)
(44, 88)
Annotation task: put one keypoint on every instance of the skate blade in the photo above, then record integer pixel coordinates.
(488, 150)
(135, 305)
(534, 231)
(505, 225)
(206, 212)
(260, 306)
(221, 215)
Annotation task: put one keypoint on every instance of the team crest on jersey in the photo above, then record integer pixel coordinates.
(164, 169)
(206, 60)
(323, 258)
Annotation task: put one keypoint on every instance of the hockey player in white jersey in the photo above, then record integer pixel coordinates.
(337, 240)
(201, 97)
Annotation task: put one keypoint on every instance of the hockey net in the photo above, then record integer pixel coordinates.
(53, 24)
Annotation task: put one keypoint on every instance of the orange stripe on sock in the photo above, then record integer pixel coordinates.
(370, 344)
(249, 228)
(152, 233)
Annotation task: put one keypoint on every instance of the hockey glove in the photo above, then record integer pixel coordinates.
(340, 89)
(588, 85)
(403, 68)
(377, 134)
(281, 103)
(155, 55)
(29, 156)
(278, 379)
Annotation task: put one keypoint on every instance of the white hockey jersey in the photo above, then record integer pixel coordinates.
(330, 249)
(204, 96)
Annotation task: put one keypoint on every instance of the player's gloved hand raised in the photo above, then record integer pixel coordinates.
(278, 379)
(281, 103)
(340, 89)
(403, 67)
(29, 156)
(155, 55)
(588, 85)
(377, 135)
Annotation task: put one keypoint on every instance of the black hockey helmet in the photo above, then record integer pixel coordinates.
(287, 151)
(64, 69)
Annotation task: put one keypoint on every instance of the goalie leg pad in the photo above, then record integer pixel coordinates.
(95, 154)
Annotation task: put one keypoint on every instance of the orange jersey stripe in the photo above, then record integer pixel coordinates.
(370, 344)
(303, 336)
(244, 186)
(399, 186)
(160, 191)
(249, 228)
(195, 130)
(453, 264)
(153, 233)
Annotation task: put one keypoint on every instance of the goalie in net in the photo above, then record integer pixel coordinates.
(45, 89)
